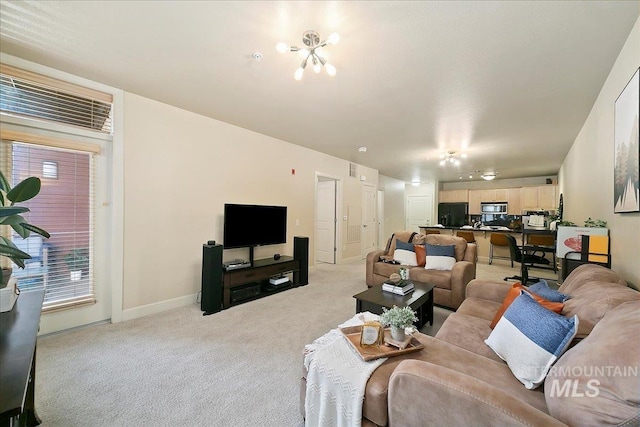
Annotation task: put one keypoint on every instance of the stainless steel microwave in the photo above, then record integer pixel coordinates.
(494, 208)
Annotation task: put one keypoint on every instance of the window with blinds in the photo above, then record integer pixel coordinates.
(34, 96)
(62, 264)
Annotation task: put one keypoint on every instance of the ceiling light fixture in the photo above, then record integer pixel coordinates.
(362, 149)
(488, 176)
(451, 157)
(311, 53)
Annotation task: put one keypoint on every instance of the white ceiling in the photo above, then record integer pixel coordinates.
(508, 82)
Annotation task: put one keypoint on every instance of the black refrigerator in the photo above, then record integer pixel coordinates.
(453, 214)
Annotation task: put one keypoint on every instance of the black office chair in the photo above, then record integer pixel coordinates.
(525, 261)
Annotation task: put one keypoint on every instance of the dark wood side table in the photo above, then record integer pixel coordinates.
(18, 334)
(420, 300)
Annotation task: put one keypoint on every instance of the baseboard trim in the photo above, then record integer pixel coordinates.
(158, 307)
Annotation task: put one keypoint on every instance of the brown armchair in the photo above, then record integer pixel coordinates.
(450, 286)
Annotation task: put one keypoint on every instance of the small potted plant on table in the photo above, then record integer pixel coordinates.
(399, 319)
(77, 261)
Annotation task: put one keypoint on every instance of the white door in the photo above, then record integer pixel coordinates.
(325, 233)
(419, 210)
(369, 224)
(381, 233)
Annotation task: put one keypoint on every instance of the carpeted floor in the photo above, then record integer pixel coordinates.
(239, 367)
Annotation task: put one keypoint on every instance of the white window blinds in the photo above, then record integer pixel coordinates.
(31, 95)
(62, 264)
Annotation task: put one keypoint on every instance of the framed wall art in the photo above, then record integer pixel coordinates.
(626, 183)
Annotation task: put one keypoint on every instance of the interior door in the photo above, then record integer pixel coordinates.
(381, 233)
(325, 227)
(369, 224)
(419, 212)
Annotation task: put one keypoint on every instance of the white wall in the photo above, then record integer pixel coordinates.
(394, 206)
(586, 175)
(180, 169)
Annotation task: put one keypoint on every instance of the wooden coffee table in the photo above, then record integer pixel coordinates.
(420, 300)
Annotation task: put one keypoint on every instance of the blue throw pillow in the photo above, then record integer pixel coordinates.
(531, 338)
(542, 289)
(440, 250)
(404, 245)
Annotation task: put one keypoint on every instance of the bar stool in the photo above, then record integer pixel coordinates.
(547, 240)
(466, 235)
(498, 239)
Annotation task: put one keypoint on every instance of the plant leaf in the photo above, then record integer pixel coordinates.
(4, 184)
(18, 227)
(6, 211)
(25, 190)
(36, 229)
(13, 252)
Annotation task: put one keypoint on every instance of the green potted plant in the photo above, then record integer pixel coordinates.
(398, 319)
(77, 261)
(10, 214)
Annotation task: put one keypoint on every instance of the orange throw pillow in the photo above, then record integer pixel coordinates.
(421, 255)
(514, 292)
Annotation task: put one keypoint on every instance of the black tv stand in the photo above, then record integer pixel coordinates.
(248, 284)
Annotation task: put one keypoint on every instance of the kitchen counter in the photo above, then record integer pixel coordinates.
(483, 239)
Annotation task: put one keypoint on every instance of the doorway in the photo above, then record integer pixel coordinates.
(326, 219)
(369, 222)
(419, 210)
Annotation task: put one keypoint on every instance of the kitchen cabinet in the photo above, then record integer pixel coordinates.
(453, 196)
(514, 205)
(475, 199)
(542, 197)
(494, 195)
(547, 197)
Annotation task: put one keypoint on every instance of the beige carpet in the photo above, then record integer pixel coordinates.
(239, 367)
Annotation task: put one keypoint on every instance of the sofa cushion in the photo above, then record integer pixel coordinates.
(589, 273)
(440, 250)
(542, 289)
(584, 388)
(531, 338)
(404, 245)
(442, 240)
(438, 278)
(556, 307)
(444, 354)
(468, 332)
(591, 301)
(421, 254)
(403, 236)
(405, 257)
(435, 262)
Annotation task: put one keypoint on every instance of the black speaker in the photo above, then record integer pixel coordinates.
(301, 253)
(211, 301)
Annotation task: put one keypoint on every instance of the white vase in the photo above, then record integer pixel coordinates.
(397, 333)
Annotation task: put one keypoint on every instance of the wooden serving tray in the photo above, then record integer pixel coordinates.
(352, 333)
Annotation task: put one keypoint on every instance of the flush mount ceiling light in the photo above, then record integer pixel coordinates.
(311, 53)
(488, 176)
(452, 158)
(362, 149)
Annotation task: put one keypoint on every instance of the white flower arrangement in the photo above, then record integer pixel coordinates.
(399, 317)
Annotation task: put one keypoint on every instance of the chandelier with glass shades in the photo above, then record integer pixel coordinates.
(311, 53)
(451, 158)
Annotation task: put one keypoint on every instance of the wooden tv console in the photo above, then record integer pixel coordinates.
(247, 284)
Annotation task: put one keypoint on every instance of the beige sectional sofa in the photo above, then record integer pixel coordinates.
(450, 285)
(457, 380)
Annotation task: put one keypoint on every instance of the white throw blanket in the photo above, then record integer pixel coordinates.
(336, 379)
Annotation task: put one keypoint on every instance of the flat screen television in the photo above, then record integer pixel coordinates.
(246, 226)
